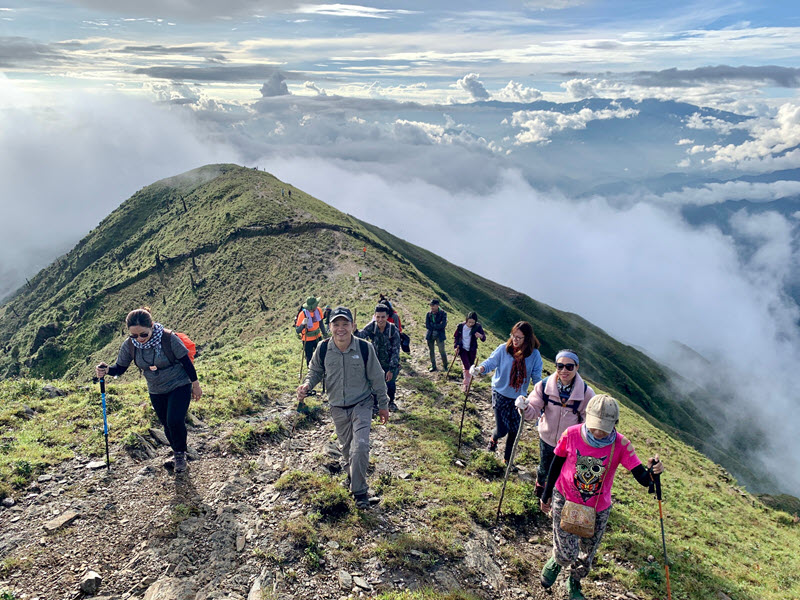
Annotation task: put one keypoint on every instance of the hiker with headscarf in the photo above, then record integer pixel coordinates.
(559, 401)
(168, 369)
(466, 344)
(580, 482)
(310, 326)
(515, 364)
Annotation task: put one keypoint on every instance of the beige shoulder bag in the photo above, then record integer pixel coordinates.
(580, 518)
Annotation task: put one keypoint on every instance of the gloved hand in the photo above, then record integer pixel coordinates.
(521, 403)
(475, 371)
(305, 322)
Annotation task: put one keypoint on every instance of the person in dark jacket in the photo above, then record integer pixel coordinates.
(466, 344)
(385, 338)
(435, 325)
(171, 384)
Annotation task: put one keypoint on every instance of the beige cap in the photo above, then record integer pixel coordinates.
(602, 413)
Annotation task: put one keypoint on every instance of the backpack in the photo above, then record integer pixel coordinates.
(362, 344)
(573, 406)
(166, 346)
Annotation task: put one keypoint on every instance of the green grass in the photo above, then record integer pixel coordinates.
(224, 273)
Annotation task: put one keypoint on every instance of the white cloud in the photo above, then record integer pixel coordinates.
(539, 125)
(275, 86)
(516, 92)
(715, 193)
(311, 86)
(471, 84)
(353, 10)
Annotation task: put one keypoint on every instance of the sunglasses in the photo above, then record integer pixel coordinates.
(133, 336)
(569, 367)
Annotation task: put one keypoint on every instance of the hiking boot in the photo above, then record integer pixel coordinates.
(393, 406)
(550, 573)
(492, 445)
(574, 589)
(432, 369)
(180, 462)
(362, 501)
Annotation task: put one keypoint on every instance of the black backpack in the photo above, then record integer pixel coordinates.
(363, 344)
(573, 406)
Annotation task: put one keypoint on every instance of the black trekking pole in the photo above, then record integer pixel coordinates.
(656, 479)
(510, 463)
(105, 419)
(463, 410)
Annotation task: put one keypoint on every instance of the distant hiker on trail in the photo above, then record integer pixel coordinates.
(168, 369)
(393, 316)
(352, 375)
(435, 325)
(580, 481)
(466, 344)
(309, 326)
(515, 364)
(326, 315)
(560, 401)
(359, 277)
(385, 338)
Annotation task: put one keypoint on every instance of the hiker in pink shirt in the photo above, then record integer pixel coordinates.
(580, 482)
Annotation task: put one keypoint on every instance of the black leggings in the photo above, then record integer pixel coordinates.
(309, 348)
(171, 409)
(506, 419)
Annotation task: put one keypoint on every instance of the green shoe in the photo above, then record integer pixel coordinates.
(574, 589)
(550, 573)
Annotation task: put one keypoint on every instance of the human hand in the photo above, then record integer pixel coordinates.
(196, 391)
(656, 465)
(101, 370)
(302, 392)
(476, 370)
(521, 403)
(544, 506)
(383, 414)
(389, 375)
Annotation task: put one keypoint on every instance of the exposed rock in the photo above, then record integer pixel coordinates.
(361, 583)
(61, 521)
(170, 588)
(44, 478)
(53, 391)
(96, 464)
(8, 502)
(158, 436)
(345, 581)
(255, 590)
(478, 560)
(91, 583)
(141, 449)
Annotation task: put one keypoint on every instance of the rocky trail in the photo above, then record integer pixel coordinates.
(138, 532)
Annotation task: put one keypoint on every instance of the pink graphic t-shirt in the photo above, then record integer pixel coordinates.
(584, 469)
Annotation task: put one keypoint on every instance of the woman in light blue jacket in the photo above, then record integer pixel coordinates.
(515, 364)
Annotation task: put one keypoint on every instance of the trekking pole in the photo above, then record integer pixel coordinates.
(463, 410)
(105, 419)
(656, 479)
(510, 463)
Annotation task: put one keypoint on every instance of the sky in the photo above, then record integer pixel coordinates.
(555, 147)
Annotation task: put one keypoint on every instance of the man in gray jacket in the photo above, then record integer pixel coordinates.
(351, 382)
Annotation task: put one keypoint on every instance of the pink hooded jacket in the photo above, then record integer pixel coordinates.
(557, 418)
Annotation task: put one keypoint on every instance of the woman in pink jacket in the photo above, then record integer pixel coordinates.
(559, 402)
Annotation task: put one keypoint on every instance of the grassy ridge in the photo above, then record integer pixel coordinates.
(232, 268)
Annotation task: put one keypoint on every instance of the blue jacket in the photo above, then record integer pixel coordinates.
(500, 361)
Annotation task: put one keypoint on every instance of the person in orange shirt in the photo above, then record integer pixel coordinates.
(310, 326)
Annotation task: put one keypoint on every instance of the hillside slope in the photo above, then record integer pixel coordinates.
(224, 254)
(227, 253)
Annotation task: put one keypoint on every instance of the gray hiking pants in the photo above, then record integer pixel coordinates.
(352, 428)
(442, 353)
(570, 550)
